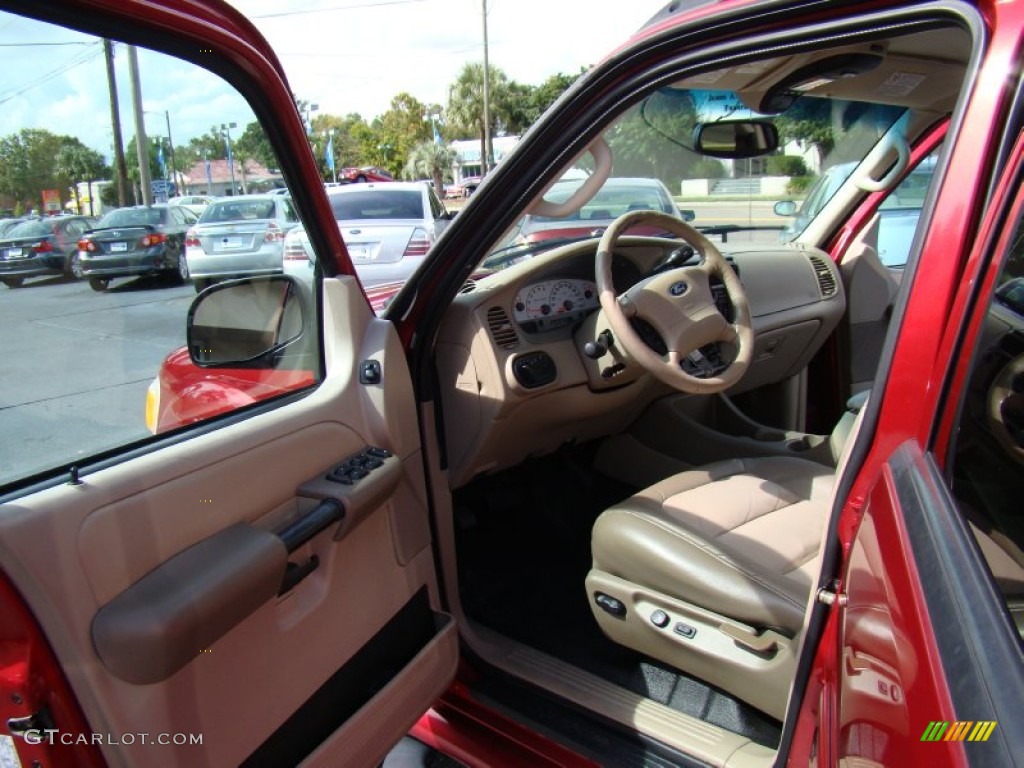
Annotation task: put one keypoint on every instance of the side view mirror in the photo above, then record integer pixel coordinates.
(688, 214)
(785, 208)
(735, 139)
(244, 322)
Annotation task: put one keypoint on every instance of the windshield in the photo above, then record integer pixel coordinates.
(821, 142)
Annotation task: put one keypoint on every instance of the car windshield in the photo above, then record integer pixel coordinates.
(132, 217)
(38, 228)
(822, 141)
(378, 204)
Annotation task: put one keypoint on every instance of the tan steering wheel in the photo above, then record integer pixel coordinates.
(679, 305)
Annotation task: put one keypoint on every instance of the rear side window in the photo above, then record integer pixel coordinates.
(133, 217)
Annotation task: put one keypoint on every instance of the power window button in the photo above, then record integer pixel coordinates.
(684, 630)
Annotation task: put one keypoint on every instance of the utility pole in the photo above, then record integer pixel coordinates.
(115, 122)
(170, 151)
(141, 142)
(485, 161)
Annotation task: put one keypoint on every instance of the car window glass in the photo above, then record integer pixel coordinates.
(377, 203)
(988, 452)
(95, 319)
(899, 213)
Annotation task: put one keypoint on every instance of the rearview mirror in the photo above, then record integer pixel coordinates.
(735, 139)
(244, 322)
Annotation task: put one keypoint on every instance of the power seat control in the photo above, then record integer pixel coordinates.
(684, 630)
(359, 465)
(659, 619)
(610, 605)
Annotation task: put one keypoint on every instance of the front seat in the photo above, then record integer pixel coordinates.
(710, 571)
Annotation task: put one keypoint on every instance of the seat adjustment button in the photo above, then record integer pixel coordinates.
(609, 604)
(659, 619)
(684, 630)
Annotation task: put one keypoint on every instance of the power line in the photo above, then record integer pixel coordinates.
(76, 61)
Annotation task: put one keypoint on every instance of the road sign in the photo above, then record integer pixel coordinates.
(51, 200)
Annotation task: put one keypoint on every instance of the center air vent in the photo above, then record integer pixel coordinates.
(826, 277)
(502, 330)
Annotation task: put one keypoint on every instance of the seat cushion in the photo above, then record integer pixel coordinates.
(737, 537)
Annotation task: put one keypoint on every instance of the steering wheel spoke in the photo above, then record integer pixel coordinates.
(680, 306)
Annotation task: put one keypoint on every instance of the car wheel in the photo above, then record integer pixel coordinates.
(75, 266)
(361, 179)
(14, 282)
(99, 284)
(182, 269)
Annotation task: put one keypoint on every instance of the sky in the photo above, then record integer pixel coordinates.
(343, 55)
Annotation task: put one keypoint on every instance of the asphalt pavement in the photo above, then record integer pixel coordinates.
(77, 363)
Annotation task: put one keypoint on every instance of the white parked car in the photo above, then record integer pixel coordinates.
(195, 203)
(388, 228)
(239, 236)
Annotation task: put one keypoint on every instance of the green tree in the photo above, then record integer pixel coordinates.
(27, 165)
(402, 127)
(430, 160)
(253, 143)
(809, 122)
(465, 110)
(131, 160)
(74, 163)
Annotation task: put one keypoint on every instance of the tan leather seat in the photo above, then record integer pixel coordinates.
(710, 571)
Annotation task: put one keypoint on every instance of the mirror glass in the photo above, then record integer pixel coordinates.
(736, 139)
(243, 321)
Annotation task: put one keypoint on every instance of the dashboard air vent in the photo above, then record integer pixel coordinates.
(468, 287)
(826, 277)
(502, 330)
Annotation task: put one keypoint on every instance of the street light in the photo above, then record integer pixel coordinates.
(226, 127)
(310, 109)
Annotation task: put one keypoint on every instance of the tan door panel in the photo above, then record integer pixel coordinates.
(186, 534)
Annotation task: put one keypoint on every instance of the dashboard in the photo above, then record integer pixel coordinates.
(517, 378)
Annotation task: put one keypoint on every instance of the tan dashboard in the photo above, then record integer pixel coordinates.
(516, 379)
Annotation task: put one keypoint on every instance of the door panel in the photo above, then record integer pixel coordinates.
(73, 549)
(922, 639)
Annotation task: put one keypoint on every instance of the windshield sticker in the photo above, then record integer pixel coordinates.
(900, 84)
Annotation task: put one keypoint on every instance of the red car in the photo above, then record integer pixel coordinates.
(627, 500)
(367, 173)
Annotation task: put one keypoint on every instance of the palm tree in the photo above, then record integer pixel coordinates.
(466, 103)
(430, 159)
(76, 162)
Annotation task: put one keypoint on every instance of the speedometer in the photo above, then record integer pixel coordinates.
(566, 296)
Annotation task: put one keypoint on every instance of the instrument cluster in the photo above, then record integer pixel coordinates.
(554, 303)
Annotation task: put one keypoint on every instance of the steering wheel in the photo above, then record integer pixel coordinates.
(1006, 408)
(679, 305)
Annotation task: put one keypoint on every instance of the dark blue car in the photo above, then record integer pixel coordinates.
(38, 246)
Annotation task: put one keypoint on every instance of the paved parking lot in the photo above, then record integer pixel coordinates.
(76, 365)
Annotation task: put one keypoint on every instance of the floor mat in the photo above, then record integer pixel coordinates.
(523, 539)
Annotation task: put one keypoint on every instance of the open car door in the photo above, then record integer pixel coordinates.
(926, 662)
(255, 588)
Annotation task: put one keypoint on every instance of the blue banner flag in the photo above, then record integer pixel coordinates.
(209, 177)
(329, 154)
(160, 159)
(231, 158)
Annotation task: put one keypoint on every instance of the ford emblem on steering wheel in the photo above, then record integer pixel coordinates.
(678, 289)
